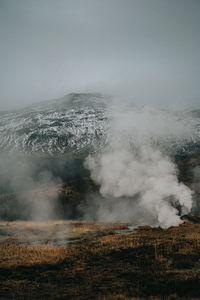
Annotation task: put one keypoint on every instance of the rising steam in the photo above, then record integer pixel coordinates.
(135, 172)
(31, 191)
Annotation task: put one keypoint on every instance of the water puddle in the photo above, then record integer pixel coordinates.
(128, 230)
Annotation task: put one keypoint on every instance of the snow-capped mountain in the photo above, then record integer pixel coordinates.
(71, 124)
(77, 124)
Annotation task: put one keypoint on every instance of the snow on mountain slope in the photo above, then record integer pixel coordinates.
(77, 124)
(72, 124)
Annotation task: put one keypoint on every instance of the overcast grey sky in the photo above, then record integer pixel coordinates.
(147, 50)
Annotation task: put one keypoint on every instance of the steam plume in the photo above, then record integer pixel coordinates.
(134, 171)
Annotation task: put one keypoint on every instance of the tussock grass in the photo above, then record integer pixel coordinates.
(150, 263)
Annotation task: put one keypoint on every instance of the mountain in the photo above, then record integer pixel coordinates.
(77, 124)
(74, 124)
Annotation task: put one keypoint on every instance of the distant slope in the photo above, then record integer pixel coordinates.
(72, 124)
(76, 125)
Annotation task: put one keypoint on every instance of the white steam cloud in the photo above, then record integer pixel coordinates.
(137, 179)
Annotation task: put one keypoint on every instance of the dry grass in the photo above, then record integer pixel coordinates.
(149, 263)
(41, 233)
(12, 255)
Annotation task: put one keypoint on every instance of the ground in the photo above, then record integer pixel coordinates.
(99, 261)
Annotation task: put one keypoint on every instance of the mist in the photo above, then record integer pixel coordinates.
(147, 51)
(31, 189)
(136, 171)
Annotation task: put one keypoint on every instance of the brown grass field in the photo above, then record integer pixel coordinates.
(96, 261)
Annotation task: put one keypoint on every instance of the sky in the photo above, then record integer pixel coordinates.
(144, 50)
